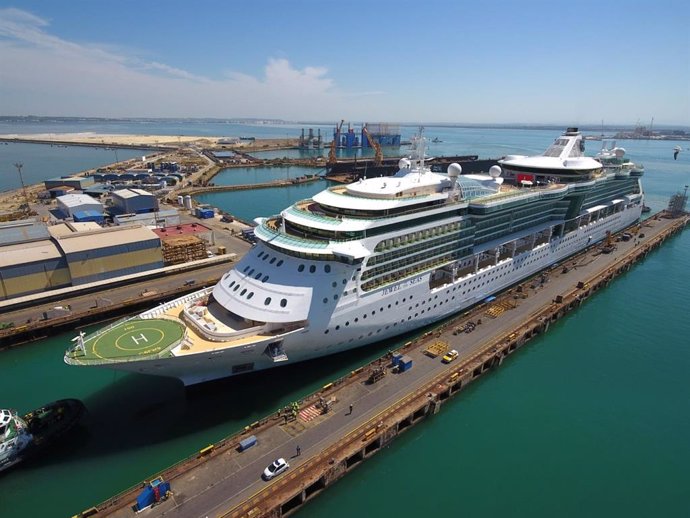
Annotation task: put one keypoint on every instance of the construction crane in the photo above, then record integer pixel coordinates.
(378, 155)
(331, 153)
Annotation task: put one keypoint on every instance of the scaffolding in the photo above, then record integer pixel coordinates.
(677, 203)
(181, 249)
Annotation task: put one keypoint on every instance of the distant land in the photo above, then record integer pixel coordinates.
(659, 128)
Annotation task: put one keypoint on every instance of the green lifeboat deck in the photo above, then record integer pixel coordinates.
(129, 340)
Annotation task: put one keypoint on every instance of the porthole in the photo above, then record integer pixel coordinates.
(231, 284)
(265, 278)
(312, 269)
(251, 294)
(327, 268)
(325, 300)
(325, 332)
(237, 287)
(283, 303)
(279, 263)
(337, 328)
(267, 301)
(258, 275)
(300, 268)
(273, 260)
(334, 284)
(243, 292)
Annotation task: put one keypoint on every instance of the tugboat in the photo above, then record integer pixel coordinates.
(23, 436)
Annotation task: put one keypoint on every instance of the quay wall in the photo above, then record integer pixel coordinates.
(303, 483)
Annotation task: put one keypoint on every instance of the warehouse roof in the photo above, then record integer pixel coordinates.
(22, 231)
(103, 238)
(184, 229)
(69, 228)
(131, 193)
(23, 253)
(74, 200)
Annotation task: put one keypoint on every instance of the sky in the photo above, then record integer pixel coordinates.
(456, 61)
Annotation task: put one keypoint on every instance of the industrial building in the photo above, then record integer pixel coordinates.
(96, 255)
(133, 201)
(71, 203)
(161, 218)
(30, 262)
(76, 182)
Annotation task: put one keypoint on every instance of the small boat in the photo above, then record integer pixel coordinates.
(646, 209)
(436, 140)
(23, 436)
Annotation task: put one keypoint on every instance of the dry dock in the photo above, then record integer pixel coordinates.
(351, 419)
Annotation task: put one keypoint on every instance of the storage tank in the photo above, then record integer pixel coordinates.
(188, 202)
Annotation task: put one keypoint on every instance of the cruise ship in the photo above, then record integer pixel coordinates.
(366, 261)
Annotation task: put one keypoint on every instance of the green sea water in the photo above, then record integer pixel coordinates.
(591, 419)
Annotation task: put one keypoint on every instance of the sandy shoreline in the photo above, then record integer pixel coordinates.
(102, 139)
(105, 139)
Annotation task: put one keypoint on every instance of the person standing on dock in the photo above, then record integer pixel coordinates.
(351, 407)
(299, 451)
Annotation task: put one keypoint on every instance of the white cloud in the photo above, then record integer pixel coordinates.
(46, 75)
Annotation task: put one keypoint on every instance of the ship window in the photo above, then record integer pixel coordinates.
(267, 301)
(265, 278)
(344, 281)
(325, 300)
(327, 268)
(251, 294)
(257, 275)
(334, 284)
(337, 327)
(260, 255)
(251, 272)
(245, 269)
(243, 292)
(279, 263)
(347, 323)
(300, 268)
(273, 260)
(231, 284)
(335, 297)
(265, 257)
(283, 303)
(312, 269)
(325, 332)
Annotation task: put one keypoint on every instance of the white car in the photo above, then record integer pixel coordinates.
(275, 469)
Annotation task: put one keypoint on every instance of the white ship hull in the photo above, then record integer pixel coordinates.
(364, 318)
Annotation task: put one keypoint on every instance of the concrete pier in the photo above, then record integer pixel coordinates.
(352, 418)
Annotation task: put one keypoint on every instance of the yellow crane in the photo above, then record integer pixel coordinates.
(378, 155)
(331, 153)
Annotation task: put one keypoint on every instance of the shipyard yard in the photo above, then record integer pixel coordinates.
(328, 433)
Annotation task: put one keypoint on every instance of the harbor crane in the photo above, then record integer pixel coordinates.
(378, 155)
(331, 153)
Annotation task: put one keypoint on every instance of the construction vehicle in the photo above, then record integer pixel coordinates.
(376, 375)
(608, 245)
(378, 155)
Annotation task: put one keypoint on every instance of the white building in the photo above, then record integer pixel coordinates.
(71, 203)
(133, 201)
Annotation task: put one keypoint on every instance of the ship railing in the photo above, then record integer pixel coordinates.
(75, 349)
(163, 308)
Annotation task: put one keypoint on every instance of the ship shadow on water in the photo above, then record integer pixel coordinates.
(136, 411)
